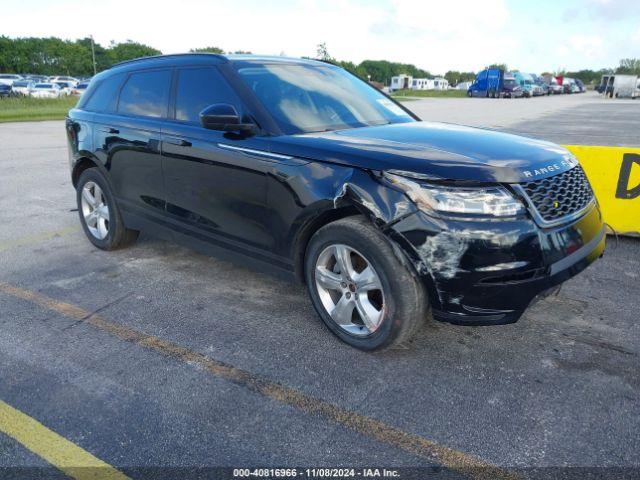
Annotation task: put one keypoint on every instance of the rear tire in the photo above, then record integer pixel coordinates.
(392, 307)
(99, 214)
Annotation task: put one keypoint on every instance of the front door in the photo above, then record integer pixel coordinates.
(215, 182)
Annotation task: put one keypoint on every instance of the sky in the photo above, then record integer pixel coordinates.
(467, 35)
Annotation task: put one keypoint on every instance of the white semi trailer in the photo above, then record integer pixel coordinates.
(626, 86)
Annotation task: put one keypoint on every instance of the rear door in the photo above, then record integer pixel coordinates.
(215, 181)
(128, 139)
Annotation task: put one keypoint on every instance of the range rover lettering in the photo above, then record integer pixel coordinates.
(304, 169)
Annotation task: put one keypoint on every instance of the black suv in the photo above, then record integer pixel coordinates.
(302, 167)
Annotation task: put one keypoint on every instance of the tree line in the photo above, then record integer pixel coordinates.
(54, 56)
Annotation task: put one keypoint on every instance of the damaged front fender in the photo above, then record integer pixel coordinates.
(303, 197)
(383, 204)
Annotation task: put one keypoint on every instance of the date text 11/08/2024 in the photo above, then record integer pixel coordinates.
(316, 473)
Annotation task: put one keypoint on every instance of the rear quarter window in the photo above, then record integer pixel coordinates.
(104, 95)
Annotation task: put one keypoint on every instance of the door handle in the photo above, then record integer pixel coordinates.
(110, 130)
(177, 141)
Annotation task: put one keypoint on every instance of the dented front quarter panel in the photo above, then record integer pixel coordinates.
(382, 203)
(304, 193)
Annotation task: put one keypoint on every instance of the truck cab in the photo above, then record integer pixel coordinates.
(510, 87)
(540, 82)
(526, 83)
(488, 83)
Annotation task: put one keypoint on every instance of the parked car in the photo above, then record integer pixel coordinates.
(61, 78)
(5, 90)
(510, 88)
(580, 85)
(79, 89)
(488, 83)
(23, 87)
(46, 90)
(36, 78)
(303, 168)
(65, 88)
(9, 78)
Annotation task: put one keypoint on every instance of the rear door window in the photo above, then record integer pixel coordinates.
(145, 94)
(198, 88)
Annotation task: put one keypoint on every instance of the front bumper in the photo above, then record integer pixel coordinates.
(513, 93)
(488, 272)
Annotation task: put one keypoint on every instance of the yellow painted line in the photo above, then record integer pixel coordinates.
(55, 449)
(366, 426)
(37, 238)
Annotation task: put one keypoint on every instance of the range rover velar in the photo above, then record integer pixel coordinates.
(302, 168)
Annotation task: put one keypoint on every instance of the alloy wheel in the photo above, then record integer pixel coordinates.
(95, 210)
(350, 289)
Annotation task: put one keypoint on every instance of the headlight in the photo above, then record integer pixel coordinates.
(488, 201)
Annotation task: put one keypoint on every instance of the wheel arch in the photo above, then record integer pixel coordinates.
(83, 163)
(80, 166)
(360, 194)
(312, 226)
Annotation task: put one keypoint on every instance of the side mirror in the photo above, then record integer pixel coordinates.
(224, 117)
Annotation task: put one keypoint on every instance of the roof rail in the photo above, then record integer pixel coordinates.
(140, 59)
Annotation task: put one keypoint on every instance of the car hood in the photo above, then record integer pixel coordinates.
(438, 150)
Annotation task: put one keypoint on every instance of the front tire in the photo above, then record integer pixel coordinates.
(362, 291)
(99, 214)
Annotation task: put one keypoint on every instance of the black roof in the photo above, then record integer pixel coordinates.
(221, 58)
(190, 59)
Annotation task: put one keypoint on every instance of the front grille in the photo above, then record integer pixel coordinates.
(561, 195)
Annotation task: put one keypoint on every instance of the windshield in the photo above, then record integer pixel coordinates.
(509, 81)
(304, 98)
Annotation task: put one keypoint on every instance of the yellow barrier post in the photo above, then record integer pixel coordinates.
(614, 173)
